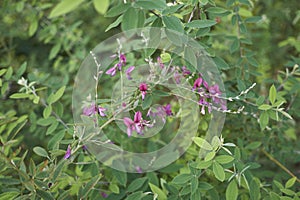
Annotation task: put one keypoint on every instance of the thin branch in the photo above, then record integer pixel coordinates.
(280, 165)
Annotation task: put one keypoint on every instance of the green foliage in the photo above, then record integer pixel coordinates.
(42, 46)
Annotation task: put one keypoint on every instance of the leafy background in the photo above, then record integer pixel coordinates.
(251, 42)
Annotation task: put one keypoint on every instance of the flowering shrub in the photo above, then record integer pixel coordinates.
(187, 101)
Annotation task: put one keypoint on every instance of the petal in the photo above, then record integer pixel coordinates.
(111, 71)
(129, 131)
(127, 121)
(137, 117)
(130, 69)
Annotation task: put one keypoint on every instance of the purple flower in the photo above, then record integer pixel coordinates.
(197, 83)
(137, 124)
(185, 71)
(93, 109)
(204, 103)
(177, 77)
(138, 169)
(130, 125)
(101, 111)
(84, 147)
(143, 88)
(122, 59)
(122, 62)
(168, 110)
(215, 92)
(128, 71)
(68, 152)
(104, 195)
(160, 62)
(112, 71)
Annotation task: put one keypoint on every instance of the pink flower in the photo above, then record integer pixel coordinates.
(128, 71)
(197, 83)
(93, 109)
(168, 110)
(68, 152)
(160, 62)
(204, 104)
(185, 71)
(177, 77)
(122, 59)
(143, 88)
(130, 125)
(112, 71)
(137, 124)
(138, 169)
(122, 62)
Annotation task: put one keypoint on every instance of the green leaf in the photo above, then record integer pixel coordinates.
(58, 170)
(209, 156)
(202, 143)
(205, 186)
(40, 151)
(46, 122)
(114, 188)
(218, 171)
(151, 5)
(64, 7)
(158, 191)
(263, 120)
(8, 73)
(2, 71)
(135, 196)
(165, 57)
(235, 45)
(90, 185)
(101, 6)
(290, 182)
(117, 10)
(136, 184)
(181, 179)
(147, 102)
(253, 145)
(54, 51)
(190, 57)
(47, 111)
(254, 190)
(33, 27)
(232, 191)
(173, 23)
(9, 195)
(9, 181)
(115, 23)
(272, 94)
(130, 19)
(120, 176)
(56, 96)
(52, 128)
(221, 64)
(224, 159)
(201, 23)
(21, 70)
(253, 19)
(194, 184)
(56, 139)
(44, 195)
(216, 10)
(265, 107)
(19, 96)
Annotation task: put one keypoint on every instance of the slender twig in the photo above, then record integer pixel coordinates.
(280, 165)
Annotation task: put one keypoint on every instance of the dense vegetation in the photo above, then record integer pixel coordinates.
(237, 59)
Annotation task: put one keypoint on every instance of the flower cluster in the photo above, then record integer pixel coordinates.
(118, 66)
(93, 109)
(207, 92)
(138, 124)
